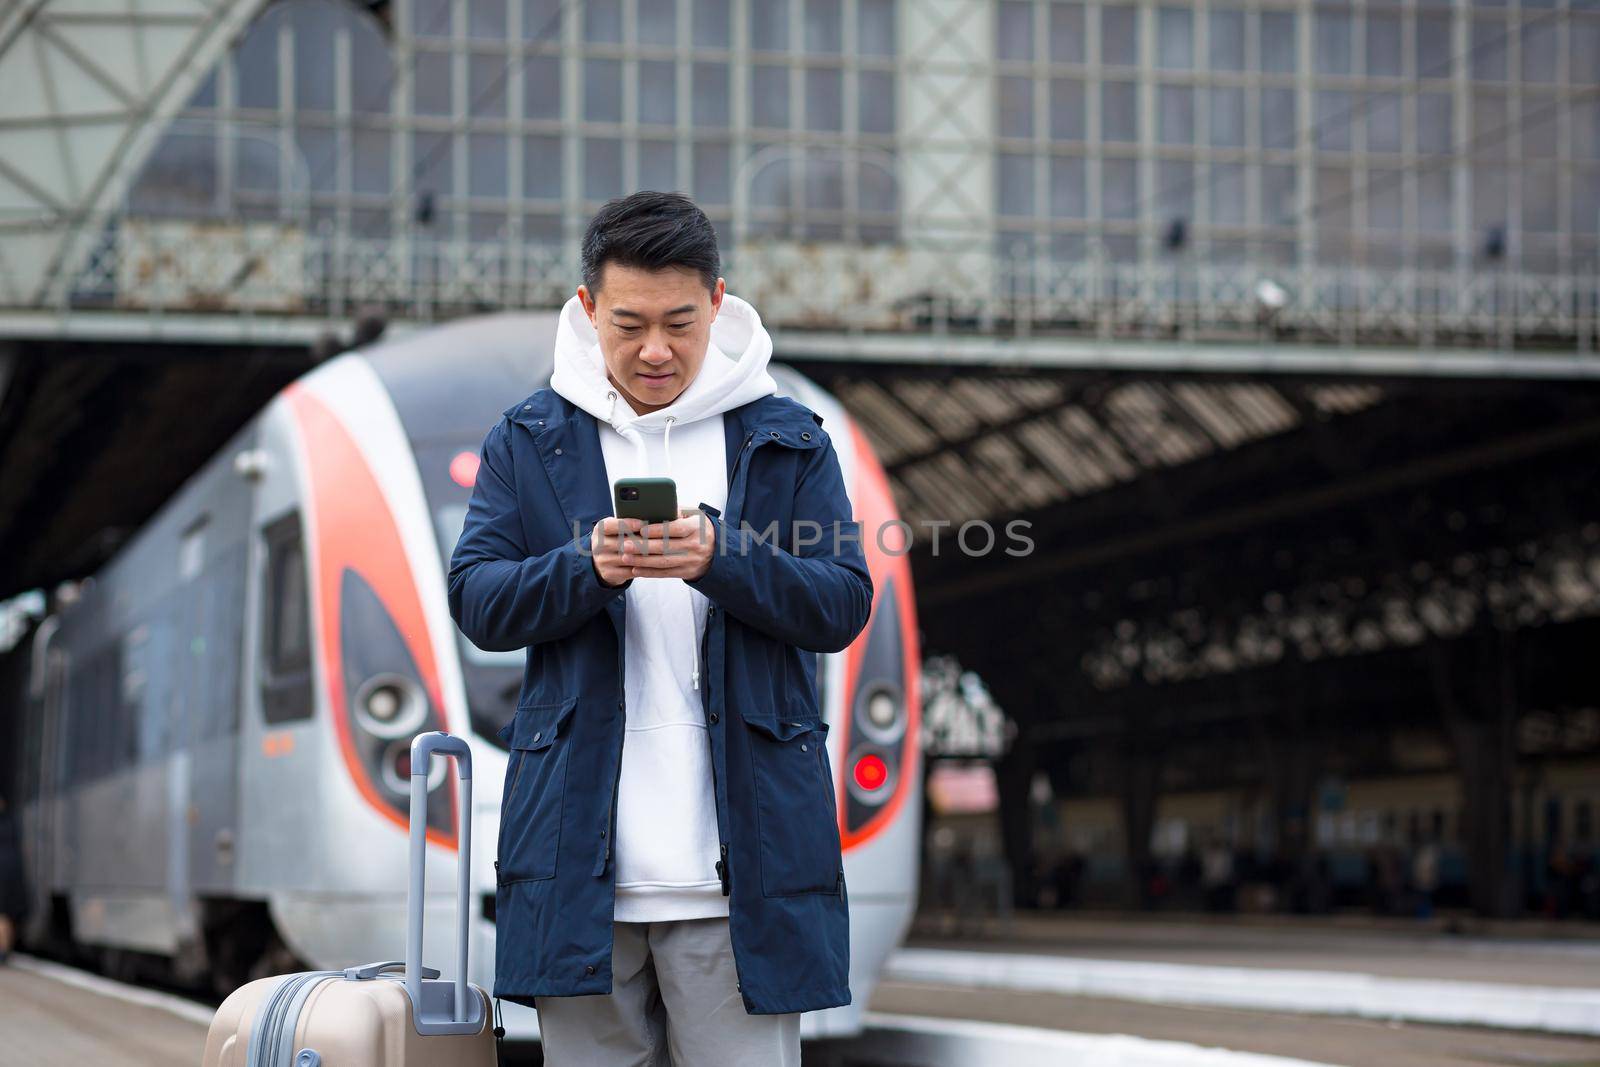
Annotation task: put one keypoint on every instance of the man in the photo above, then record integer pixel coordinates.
(668, 877)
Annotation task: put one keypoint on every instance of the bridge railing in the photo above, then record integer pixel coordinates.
(974, 287)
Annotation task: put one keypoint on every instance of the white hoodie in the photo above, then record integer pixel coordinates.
(666, 848)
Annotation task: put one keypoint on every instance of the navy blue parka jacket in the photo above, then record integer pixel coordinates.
(522, 577)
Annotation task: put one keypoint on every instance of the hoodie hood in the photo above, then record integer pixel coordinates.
(734, 373)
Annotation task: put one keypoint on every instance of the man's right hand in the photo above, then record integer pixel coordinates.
(611, 564)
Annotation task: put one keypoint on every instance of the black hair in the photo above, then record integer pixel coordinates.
(651, 231)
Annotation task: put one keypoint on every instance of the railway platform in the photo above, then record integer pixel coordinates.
(1089, 990)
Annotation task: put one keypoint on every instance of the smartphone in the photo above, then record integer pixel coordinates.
(650, 499)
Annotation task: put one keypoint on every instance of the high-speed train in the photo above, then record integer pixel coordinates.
(216, 731)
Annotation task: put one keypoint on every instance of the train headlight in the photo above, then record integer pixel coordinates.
(881, 713)
(390, 705)
(397, 768)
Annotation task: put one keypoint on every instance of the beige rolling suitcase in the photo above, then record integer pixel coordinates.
(369, 1016)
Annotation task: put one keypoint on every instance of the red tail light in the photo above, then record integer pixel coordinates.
(871, 772)
(464, 469)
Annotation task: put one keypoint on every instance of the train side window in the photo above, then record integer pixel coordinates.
(286, 691)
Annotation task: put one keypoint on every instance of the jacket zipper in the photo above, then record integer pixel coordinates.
(705, 644)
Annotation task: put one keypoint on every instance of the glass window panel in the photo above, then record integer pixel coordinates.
(1384, 130)
(369, 162)
(658, 165)
(1333, 120)
(711, 94)
(431, 18)
(1278, 181)
(824, 26)
(772, 184)
(876, 100)
(1539, 126)
(255, 67)
(1119, 36)
(1227, 40)
(430, 84)
(313, 28)
(1069, 188)
(541, 167)
(1175, 38)
(541, 20)
(1586, 205)
(1015, 102)
(205, 94)
(541, 87)
(1383, 45)
(431, 166)
(1277, 42)
(1489, 50)
(1586, 128)
(319, 151)
(1119, 188)
(487, 227)
(371, 72)
(1175, 189)
(1435, 200)
(1333, 41)
(1014, 30)
(257, 158)
(602, 168)
(1067, 110)
(1540, 45)
(1385, 201)
(1277, 118)
(1334, 207)
(1067, 30)
(1434, 54)
(712, 167)
(486, 19)
(657, 23)
(487, 77)
(602, 21)
(1489, 117)
(1584, 66)
(769, 25)
(1014, 184)
(875, 27)
(876, 187)
(1119, 111)
(658, 92)
(824, 184)
(488, 156)
(1227, 117)
(769, 90)
(713, 23)
(602, 90)
(1433, 123)
(824, 99)
(1490, 197)
(1176, 105)
(1228, 198)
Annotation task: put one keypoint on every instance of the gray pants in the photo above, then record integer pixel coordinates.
(675, 1002)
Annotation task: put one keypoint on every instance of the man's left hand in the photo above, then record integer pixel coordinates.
(681, 548)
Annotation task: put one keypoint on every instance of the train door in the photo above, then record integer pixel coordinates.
(278, 781)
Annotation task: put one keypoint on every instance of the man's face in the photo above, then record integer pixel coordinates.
(654, 328)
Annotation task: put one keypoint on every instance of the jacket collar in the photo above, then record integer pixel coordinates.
(770, 417)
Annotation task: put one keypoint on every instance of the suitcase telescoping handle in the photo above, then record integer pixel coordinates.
(423, 748)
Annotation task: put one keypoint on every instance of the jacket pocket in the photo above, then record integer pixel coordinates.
(797, 821)
(534, 798)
